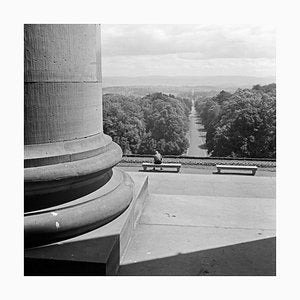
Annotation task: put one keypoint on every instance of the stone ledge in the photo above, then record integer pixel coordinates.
(196, 235)
(97, 252)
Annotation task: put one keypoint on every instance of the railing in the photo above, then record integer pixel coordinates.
(203, 157)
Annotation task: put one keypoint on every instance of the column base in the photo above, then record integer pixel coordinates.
(81, 215)
(97, 252)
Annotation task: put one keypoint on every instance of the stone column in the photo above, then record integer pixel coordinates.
(69, 181)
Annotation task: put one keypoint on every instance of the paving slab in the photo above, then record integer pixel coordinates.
(247, 190)
(215, 225)
(183, 250)
(226, 212)
(212, 185)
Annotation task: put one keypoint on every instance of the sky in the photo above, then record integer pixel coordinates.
(188, 50)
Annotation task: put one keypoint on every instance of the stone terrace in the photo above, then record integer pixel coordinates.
(199, 223)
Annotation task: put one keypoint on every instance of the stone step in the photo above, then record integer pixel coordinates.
(222, 185)
(97, 252)
(202, 235)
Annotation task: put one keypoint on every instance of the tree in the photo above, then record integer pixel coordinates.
(123, 121)
(242, 124)
(166, 124)
(141, 125)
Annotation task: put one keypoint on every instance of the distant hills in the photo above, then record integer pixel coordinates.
(181, 91)
(204, 81)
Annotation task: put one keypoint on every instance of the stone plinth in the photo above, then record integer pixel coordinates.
(97, 252)
(70, 187)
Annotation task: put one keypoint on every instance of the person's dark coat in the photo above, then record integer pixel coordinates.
(157, 158)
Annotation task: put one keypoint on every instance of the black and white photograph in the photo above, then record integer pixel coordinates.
(149, 150)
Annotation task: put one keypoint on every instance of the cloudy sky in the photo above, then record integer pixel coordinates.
(188, 50)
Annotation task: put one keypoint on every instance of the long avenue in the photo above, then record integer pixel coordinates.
(196, 136)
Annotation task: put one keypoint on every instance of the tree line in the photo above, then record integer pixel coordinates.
(240, 124)
(141, 125)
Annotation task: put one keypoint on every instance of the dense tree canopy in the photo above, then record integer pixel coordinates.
(141, 125)
(123, 121)
(166, 121)
(242, 124)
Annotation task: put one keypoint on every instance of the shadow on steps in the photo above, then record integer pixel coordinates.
(255, 258)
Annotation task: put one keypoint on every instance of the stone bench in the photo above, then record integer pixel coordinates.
(231, 167)
(163, 165)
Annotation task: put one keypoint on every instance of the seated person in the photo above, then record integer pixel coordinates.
(157, 158)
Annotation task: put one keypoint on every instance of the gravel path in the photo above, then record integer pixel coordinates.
(196, 136)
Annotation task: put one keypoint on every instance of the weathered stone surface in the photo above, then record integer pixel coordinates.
(197, 233)
(68, 159)
(81, 215)
(62, 53)
(212, 185)
(97, 252)
(62, 74)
